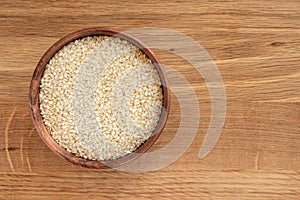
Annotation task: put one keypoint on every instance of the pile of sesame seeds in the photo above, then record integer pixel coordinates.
(100, 97)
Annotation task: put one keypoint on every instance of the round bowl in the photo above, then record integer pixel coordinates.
(35, 108)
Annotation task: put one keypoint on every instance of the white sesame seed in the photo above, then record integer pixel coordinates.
(117, 103)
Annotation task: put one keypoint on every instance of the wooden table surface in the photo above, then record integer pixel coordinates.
(256, 46)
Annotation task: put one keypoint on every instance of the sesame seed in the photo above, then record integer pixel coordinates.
(100, 97)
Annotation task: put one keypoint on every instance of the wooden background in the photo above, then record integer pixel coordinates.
(256, 46)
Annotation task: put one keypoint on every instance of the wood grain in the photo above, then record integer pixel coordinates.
(256, 46)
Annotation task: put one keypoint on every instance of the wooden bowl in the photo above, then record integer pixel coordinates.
(35, 109)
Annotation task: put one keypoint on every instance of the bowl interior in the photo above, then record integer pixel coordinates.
(35, 109)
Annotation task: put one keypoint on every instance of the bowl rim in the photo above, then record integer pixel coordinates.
(35, 109)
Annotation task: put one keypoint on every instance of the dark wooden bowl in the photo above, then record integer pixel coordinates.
(35, 109)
